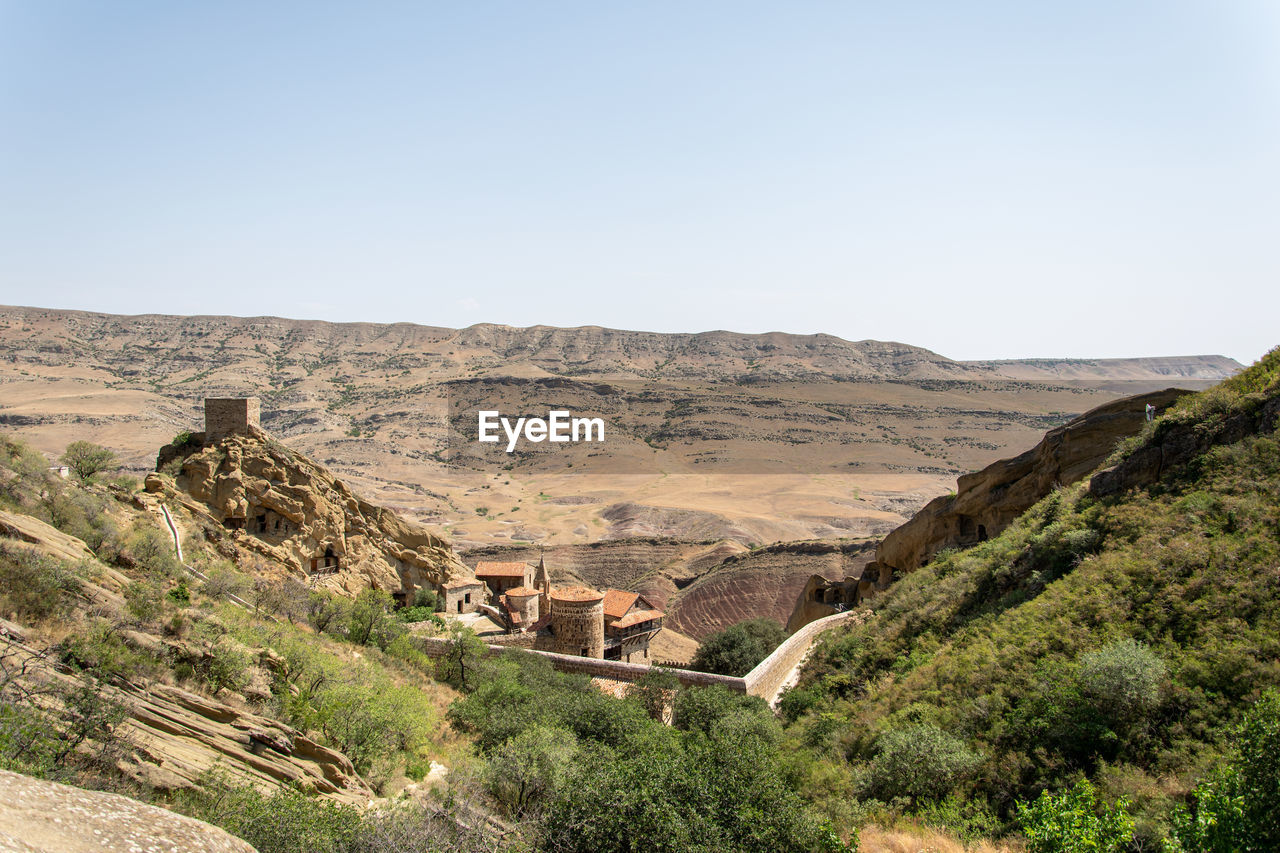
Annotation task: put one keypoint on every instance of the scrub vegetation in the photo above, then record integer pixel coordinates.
(1100, 676)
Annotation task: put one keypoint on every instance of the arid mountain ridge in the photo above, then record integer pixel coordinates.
(213, 341)
(855, 436)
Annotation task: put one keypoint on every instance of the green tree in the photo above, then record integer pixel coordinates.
(700, 708)
(459, 666)
(737, 649)
(86, 458)
(1238, 807)
(654, 691)
(531, 767)
(1123, 678)
(372, 619)
(1074, 822)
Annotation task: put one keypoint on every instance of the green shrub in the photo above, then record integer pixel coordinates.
(1074, 822)
(531, 767)
(225, 666)
(654, 691)
(101, 653)
(326, 612)
(701, 708)
(281, 822)
(180, 594)
(35, 586)
(1123, 678)
(371, 620)
(152, 550)
(426, 597)
(737, 649)
(920, 761)
(144, 600)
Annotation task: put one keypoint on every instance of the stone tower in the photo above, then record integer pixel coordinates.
(542, 583)
(224, 416)
(577, 620)
(524, 602)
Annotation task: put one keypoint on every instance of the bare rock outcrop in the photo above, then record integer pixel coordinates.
(43, 537)
(176, 737)
(181, 736)
(295, 512)
(986, 502)
(38, 815)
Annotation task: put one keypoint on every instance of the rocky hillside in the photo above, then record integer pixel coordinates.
(1118, 630)
(230, 689)
(987, 501)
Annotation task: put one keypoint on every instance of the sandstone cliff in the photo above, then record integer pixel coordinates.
(1174, 442)
(293, 511)
(987, 501)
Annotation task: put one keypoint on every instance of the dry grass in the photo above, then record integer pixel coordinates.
(925, 840)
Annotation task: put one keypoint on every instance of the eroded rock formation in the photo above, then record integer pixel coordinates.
(295, 512)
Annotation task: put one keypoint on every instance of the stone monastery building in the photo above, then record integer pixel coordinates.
(570, 620)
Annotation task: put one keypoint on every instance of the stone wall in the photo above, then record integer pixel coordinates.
(616, 670)
(224, 416)
(775, 672)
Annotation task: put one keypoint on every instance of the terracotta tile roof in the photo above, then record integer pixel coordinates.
(518, 591)
(576, 593)
(617, 602)
(501, 570)
(636, 618)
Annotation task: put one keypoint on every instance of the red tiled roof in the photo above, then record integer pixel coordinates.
(636, 618)
(617, 602)
(576, 593)
(501, 570)
(518, 591)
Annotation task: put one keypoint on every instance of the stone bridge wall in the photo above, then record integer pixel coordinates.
(774, 672)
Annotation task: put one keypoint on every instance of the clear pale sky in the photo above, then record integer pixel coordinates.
(986, 179)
